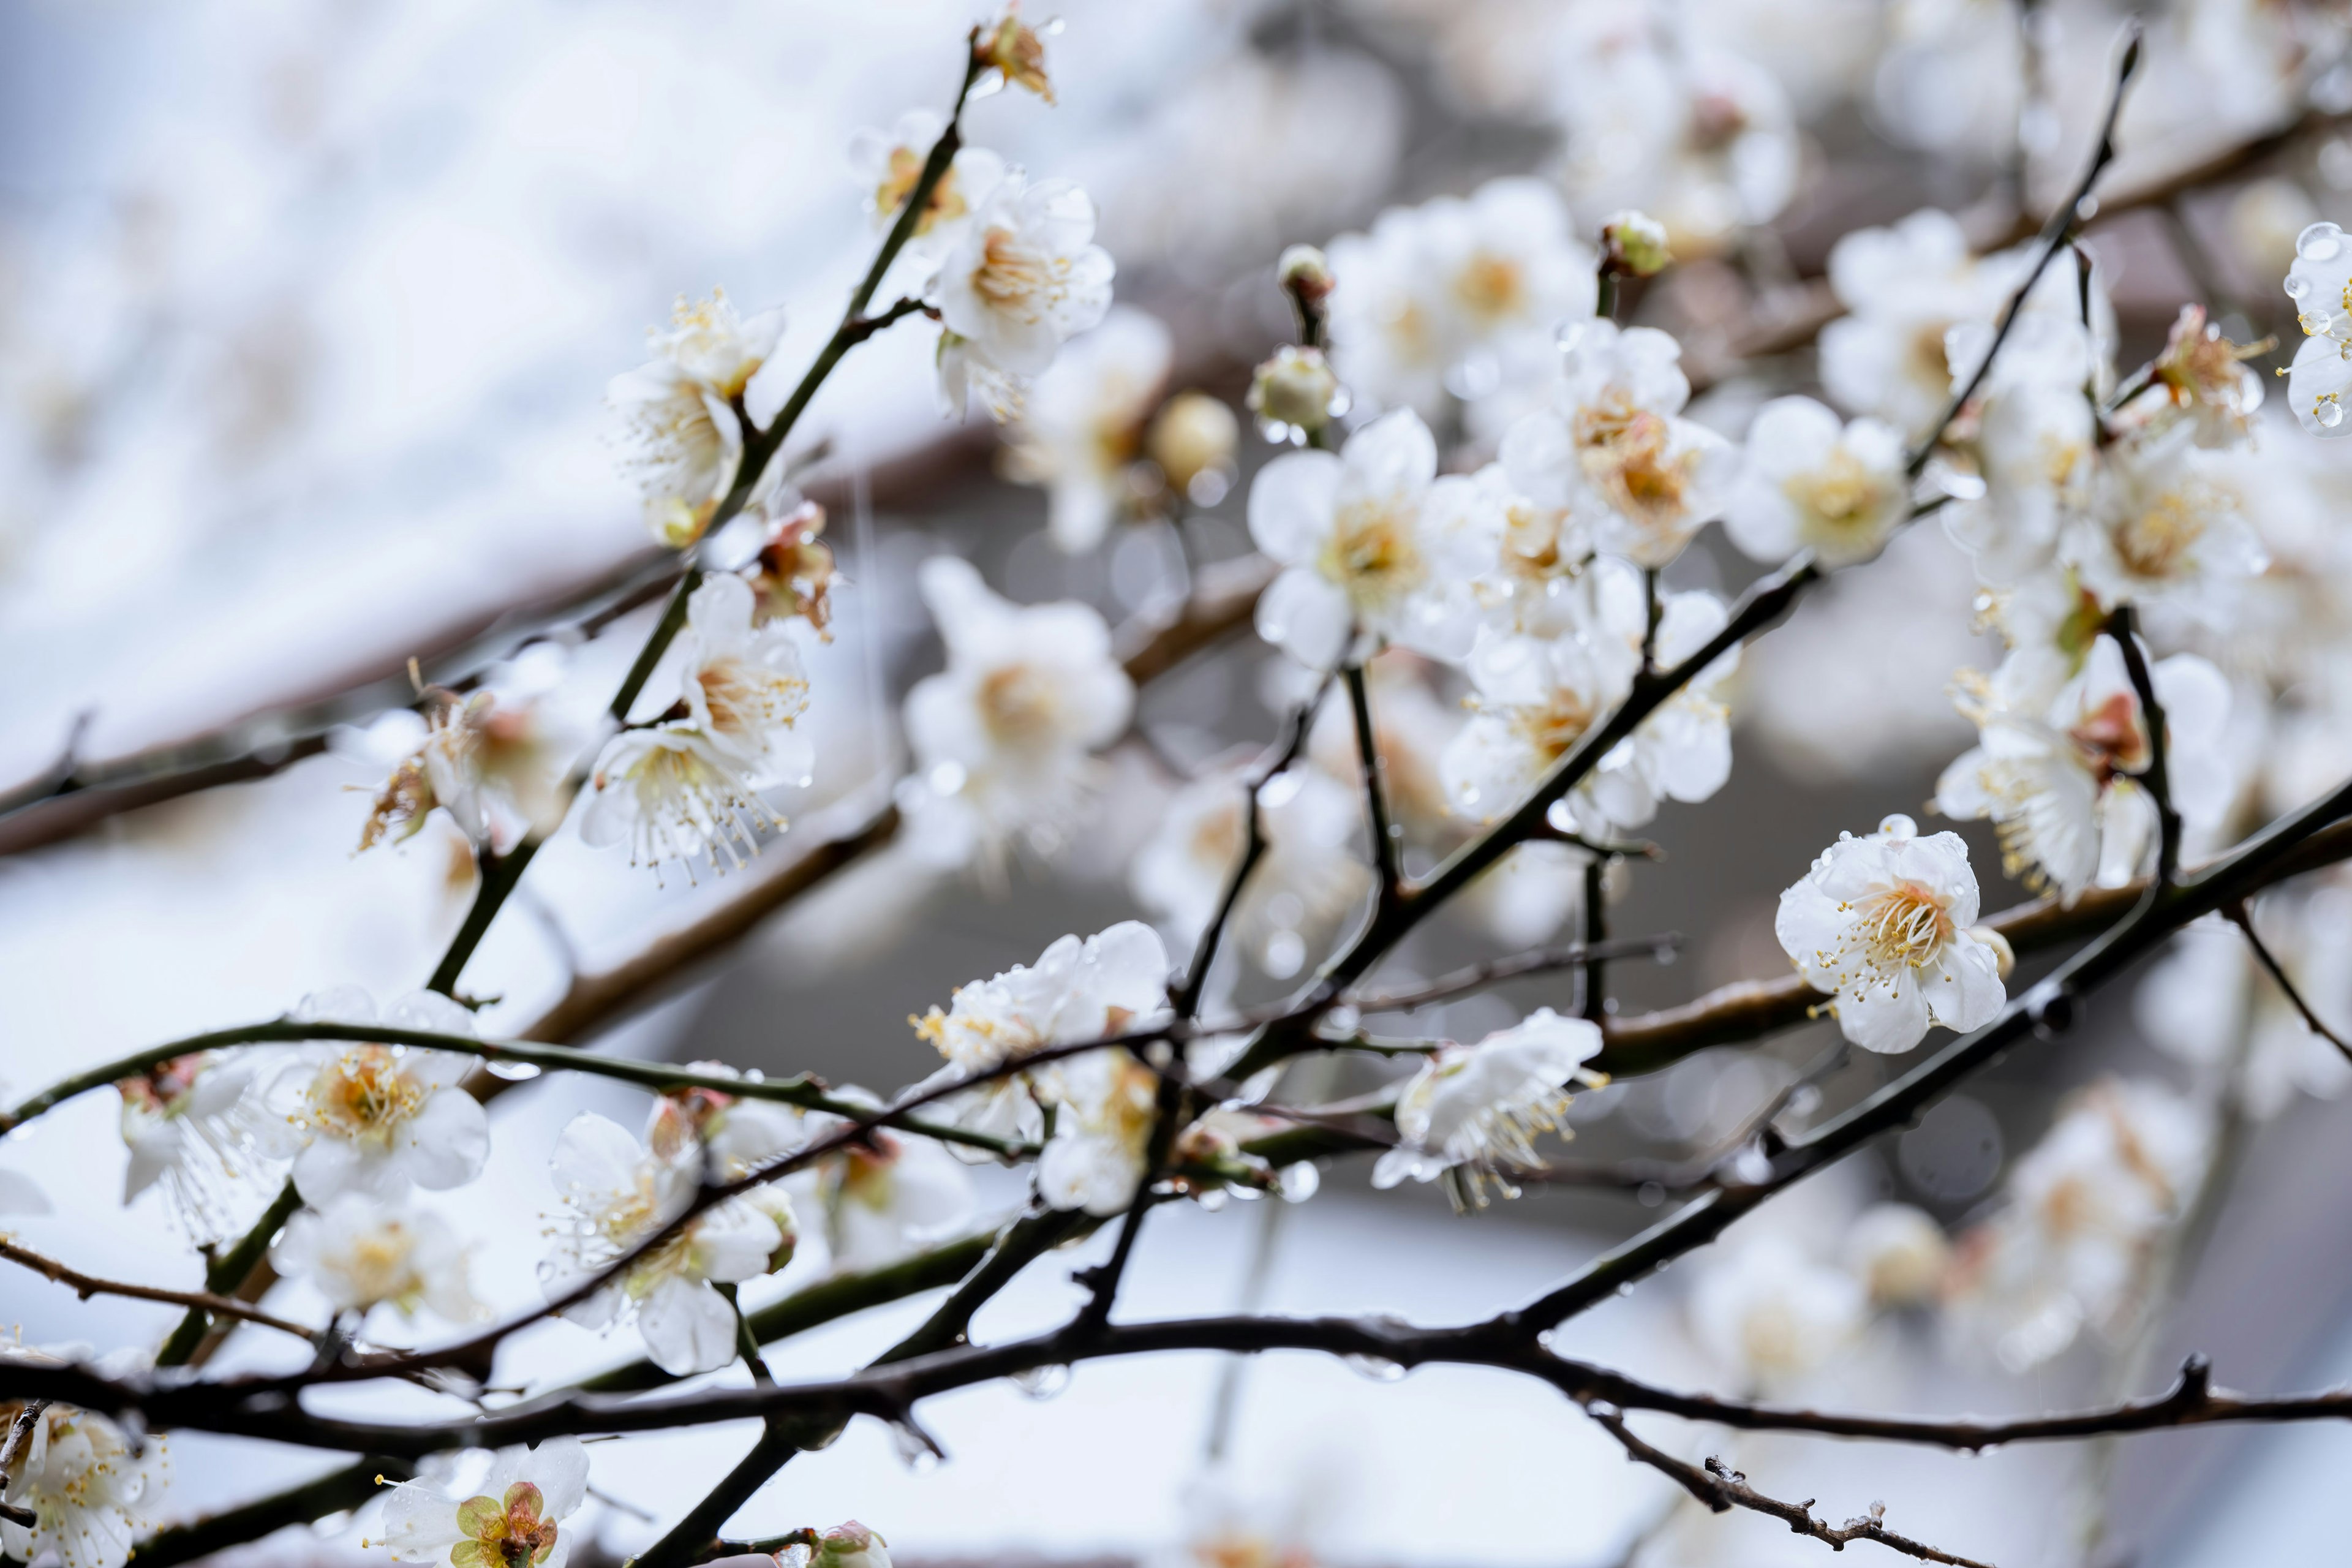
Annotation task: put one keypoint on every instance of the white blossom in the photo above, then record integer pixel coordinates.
(1883, 924)
(1614, 444)
(1002, 738)
(1529, 560)
(2320, 284)
(686, 438)
(1362, 548)
(1106, 984)
(1023, 278)
(1533, 700)
(1899, 1253)
(514, 1518)
(2061, 783)
(361, 1252)
(2160, 531)
(891, 1195)
(1082, 424)
(77, 1473)
(489, 760)
(617, 1191)
(1309, 877)
(1772, 1313)
(692, 785)
(2082, 1211)
(1905, 288)
(1811, 483)
(887, 165)
(1102, 1127)
(372, 1118)
(196, 1127)
(1471, 1112)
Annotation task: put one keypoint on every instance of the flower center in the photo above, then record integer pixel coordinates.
(744, 701)
(1491, 288)
(1018, 703)
(362, 1095)
(1013, 278)
(2156, 539)
(1623, 453)
(2112, 738)
(1549, 729)
(507, 1533)
(1371, 551)
(1905, 924)
(1839, 498)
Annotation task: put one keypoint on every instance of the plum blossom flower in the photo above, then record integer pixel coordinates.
(1094, 1160)
(1002, 738)
(2160, 532)
(1082, 424)
(82, 1480)
(1106, 984)
(1883, 924)
(1809, 483)
(2319, 282)
(1023, 278)
(2035, 446)
(1309, 877)
(888, 164)
(2201, 377)
(1532, 559)
(1362, 548)
(1905, 289)
(362, 1253)
(1899, 1253)
(2060, 785)
(1533, 701)
(370, 1118)
(1774, 1314)
(687, 438)
(1295, 394)
(794, 574)
(2081, 1213)
(1471, 1112)
(1614, 444)
(617, 1193)
(887, 1197)
(513, 1517)
(1458, 295)
(195, 1128)
(691, 786)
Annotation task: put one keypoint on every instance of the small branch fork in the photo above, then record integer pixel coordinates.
(1722, 1488)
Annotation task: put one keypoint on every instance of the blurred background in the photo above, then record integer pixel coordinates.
(306, 311)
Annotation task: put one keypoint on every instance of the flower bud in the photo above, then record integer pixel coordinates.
(1015, 52)
(1192, 440)
(1304, 274)
(794, 574)
(1295, 391)
(2004, 955)
(1634, 245)
(1899, 1254)
(851, 1545)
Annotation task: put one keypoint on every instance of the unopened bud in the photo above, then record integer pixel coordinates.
(2002, 953)
(1305, 273)
(1192, 436)
(1634, 245)
(1295, 391)
(794, 574)
(1015, 51)
(851, 1545)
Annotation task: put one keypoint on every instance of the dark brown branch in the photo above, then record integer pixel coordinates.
(1388, 846)
(2238, 917)
(87, 1285)
(1722, 1488)
(2124, 626)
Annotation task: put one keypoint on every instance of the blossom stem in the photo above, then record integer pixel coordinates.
(1388, 845)
(2238, 916)
(2123, 625)
(1591, 982)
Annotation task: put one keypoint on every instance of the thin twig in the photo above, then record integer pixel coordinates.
(1388, 844)
(87, 1285)
(2239, 916)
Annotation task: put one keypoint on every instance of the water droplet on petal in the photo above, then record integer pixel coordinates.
(1380, 1369)
(2320, 242)
(2296, 288)
(2328, 412)
(513, 1072)
(1043, 1382)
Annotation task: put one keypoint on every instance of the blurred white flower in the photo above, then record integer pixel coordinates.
(2060, 784)
(2320, 284)
(1950, 75)
(889, 1196)
(86, 1485)
(886, 164)
(1811, 483)
(1899, 1253)
(1102, 1129)
(514, 1519)
(1882, 923)
(1082, 424)
(1002, 738)
(2200, 377)
(1534, 699)
(1103, 985)
(2207, 994)
(673, 792)
(617, 1193)
(1772, 1314)
(196, 1127)
(489, 764)
(686, 438)
(361, 1252)
(1362, 548)
(2081, 1212)
(1530, 558)
(743, 683)
(1458, 295)
(2161, 532)
(1310, 875)
(1905, 289)
(1682, 751)
(1614, 444)
(1471, 1112)
(1022, 279)
(370, 1118)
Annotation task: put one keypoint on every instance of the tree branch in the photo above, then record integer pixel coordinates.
(201, 1301)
